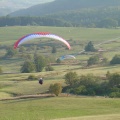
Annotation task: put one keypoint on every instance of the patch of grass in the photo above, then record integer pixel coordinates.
(57, 107)
(95, 117)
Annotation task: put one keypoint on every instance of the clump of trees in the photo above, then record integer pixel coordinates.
(38, 64)
(93, 85)
(27, 67)
(93, 60)
(49, 68)
(96, 60)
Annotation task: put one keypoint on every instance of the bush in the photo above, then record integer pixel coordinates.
(90, 47)
(93, 60)
(32, 77)
(115, 60)
(49, 68)
(55, 89)
(58, 61)
(114, 95)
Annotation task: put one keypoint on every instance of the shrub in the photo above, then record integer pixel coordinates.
(55, 89)
(115, 60)
(49, 68)
(58, 61)
(32, 77)
(114, 95)
(27, 67)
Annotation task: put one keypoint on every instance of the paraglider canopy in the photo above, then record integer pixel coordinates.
(41, 81)
(67, 57)
(39, 35)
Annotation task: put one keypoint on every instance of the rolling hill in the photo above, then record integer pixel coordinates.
(8, 6)
(64, 5)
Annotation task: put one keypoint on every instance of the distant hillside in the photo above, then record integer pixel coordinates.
(64, 5)
(8, 6)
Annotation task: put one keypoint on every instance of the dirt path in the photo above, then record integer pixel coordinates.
(29, 96)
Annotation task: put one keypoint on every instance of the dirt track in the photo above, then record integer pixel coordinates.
(29, 96)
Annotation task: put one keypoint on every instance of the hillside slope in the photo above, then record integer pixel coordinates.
(64, 5)
(8, 6)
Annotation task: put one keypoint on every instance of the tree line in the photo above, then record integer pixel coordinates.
(32, 21)
(101, 18)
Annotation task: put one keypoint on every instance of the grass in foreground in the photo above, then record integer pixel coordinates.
(95, 117)
(57, 107)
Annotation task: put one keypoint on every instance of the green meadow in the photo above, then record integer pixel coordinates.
(14, 84)
(59, 107)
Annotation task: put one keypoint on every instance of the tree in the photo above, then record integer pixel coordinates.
(108, 23)
(27, 67)
(115, 60)
(58, 61)
(88, 80)
(55, 89)
(10, 52)
(114, 80)
(49, 68)
(40, 62)
(71, 78)
(93, 60)
(89, 47)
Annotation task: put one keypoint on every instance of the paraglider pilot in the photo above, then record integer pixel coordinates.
(41, 81)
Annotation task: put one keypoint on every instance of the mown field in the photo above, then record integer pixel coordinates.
(59, 107)
(13, 83)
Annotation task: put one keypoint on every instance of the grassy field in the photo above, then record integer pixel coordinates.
(59, 107)
(77, 37)
(13, 83)
(94, 117)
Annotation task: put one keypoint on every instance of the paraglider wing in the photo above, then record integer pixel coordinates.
(67, 57)
(40, 35)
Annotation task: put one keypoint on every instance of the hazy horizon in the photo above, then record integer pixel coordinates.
(7, 6)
